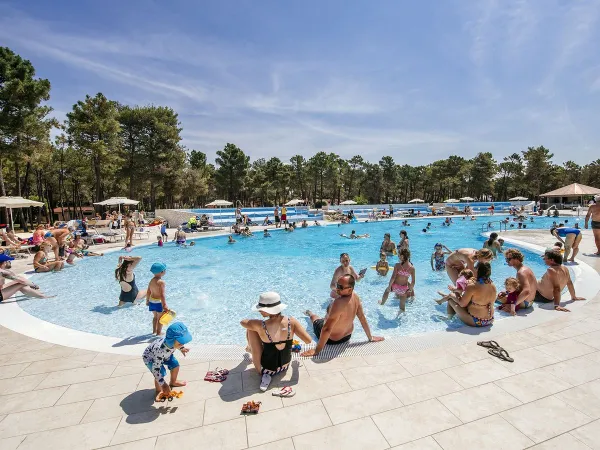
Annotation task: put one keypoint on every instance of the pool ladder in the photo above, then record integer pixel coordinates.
(490, 226)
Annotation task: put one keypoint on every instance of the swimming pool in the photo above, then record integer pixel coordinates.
(213, 285)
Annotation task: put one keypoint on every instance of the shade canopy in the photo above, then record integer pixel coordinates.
(451, 200)
(518, 199)
(467, 199)
(417, 200)
(219, 203)
(113, 201)
(572, 190)
(348, 202)
(294, 202)
(18, 202)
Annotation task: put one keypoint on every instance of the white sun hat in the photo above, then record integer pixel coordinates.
(270, 303)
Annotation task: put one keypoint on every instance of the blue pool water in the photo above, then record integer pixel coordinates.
(213, 285)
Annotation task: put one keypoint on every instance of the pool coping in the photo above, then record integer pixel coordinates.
(16, 319)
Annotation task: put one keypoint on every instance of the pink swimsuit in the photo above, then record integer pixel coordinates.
(400, 289)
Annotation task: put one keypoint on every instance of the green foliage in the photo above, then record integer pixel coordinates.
(231, 173)
(360, 200)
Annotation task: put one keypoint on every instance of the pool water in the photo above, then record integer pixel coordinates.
(213, 285)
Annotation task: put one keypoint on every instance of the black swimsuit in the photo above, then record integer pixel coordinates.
(131, 295)
(274, 360)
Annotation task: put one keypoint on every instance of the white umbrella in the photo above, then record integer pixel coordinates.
(17, 202)
(416, 200)
(451, 200)
(117, 201)
(518, 199)
(294, 202)
(348, 202)
(467, 199)
(219, 203)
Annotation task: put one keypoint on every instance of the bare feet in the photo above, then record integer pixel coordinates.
(178, 383)
(48, 296)
(157, 397)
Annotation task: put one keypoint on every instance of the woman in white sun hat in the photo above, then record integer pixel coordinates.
(270, 340)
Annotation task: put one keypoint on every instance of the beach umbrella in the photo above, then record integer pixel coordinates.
(117, 201)
(17, 202)
(451, 200)
(348, 202)
(518, 199)
(294, 202)
(416, 200)
(220, 204)
(467, 199)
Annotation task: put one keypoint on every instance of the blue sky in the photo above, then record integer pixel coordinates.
(417, 80)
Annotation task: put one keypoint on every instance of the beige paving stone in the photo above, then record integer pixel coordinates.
(585, 327)
(192, 372)
(381, 360)
(357, 434)
(76, 437)
(224, 435)
(591, 339)
(545, 418)
(585, 398)
(12, 370)
(232, 366)
(477, 373)
(81, 375)
(100, 388)
(589, 434)
(11, 443)
(42, 419)
(23, 357)
(416, 421)
(566, 349)
(157, 422)
(30, 400)
(144, 444)
(20, 384)
(429, 362)
(563, 442)
(483, 434)
(576, 371)
(221, 409)
(59, 351)
(113, 358)
(84, 355)
(426, 443)
(122, 405)
(251, 378)
(362, 377)
(121, 371)
(468, 352)
(513, 342)
(361, 403)
(477, 402)
(53, 365)
(302, 418)
(319, 386)
(533, 385)
(285, 444)
(333, 365)
(424, 387)
(528, 359)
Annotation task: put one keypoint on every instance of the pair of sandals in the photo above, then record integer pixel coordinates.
(251, 407)
(494, 349)
(284, 392)
(216, 376)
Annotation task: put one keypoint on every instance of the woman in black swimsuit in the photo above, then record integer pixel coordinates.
(270, 341)
(126, 278)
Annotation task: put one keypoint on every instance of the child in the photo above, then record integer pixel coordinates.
(266, 233)
(231, 240)
(160, 241)
(382, 266)
(466, 277)
(558, 247)
(155, 296)
(160, 353)
(438, 256)
(163, 231)
(510, 296)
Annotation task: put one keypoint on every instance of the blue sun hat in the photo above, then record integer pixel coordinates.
(177, 332)
(158, 267)
(4, 258)
(48, 234)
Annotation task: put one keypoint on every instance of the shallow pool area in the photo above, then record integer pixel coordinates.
(213, 285)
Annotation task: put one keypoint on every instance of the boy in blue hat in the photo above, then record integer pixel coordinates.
(155, 296)
(160, 353)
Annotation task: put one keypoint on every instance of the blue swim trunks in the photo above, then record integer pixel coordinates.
(155, 307)
(171, 364)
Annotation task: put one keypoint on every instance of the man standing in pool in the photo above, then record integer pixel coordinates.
(594, 214)
(337, 327)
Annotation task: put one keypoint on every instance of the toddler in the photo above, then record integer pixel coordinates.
(160, 241)
(382, 266)
(465, 278)
(510, 296)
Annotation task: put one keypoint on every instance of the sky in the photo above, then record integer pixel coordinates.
(416, 80)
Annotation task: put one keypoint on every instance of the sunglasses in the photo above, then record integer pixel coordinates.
(508, 259)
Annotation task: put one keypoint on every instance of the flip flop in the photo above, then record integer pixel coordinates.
(221, 371)
(500, 353)
(285, 391)
(214, 377)
(489, 344)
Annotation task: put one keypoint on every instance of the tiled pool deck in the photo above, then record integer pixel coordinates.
(452, 398)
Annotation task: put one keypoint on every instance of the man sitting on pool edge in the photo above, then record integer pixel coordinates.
(338, 325)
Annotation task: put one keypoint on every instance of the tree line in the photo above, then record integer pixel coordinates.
(104, 148)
